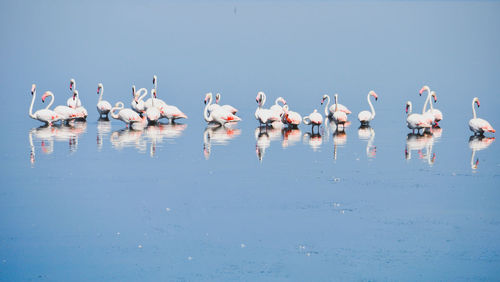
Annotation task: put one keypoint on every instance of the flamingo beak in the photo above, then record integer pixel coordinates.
(98, 90)
(435, 99)
(477, 102)
(421, 91)
(205, 101)
(406, 109)
(71, 86)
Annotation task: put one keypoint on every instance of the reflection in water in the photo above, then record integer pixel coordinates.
(263, 137)
(418, 142)
(313, 139)
(478, 143)
(103, 129)
(339, 140)
(365, 132)
(217, 135)
(290, 136)
(154, 134)
(61, 133)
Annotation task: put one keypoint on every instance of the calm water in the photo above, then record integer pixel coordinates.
(96, 201)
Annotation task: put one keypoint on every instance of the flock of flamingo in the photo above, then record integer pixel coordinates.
(279, 116)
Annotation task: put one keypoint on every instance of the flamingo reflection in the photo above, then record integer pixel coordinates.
(217, 135)
(478, 143)
(103, 130)
(419, 142)
(365, 132)
(291, 136)
(339, 140)
(128, 138)
(313, 139)
(157, 133)
(263, 138)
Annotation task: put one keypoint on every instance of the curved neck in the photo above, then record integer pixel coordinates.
(473, 108)
(279, 99)
(34, 96)
(51, 101)
(426, 101)
(100, 94)
(205, 111)
(306, 120)
(326, 105)
(143, 95)
(371, 106)
(112, 112)
(263, 99)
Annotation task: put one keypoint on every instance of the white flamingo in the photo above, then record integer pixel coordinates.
(103, 107)
(158, 102)
(290, 118)
(340, 117)
(415, 121)
(153, 113)
(365, 116)
(137, 103)
(74, 101)
(479, 125)
(315, 118)
(128, 116)
(170, 112)
(228, 108)
(218, 115)
(438, 115)
(66, 113)
(43, 115)
(277, 107)
(264, 116)
(330, 110)
(82, 112)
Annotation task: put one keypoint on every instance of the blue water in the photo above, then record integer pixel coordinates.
(97, 201)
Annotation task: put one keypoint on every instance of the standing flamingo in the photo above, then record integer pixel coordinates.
(438, 115)
(277, 107)
(330, 110)
(218, 115)
(82, 112)
(43, 115)
(159, 102)
(228, 108)
(128, 116)
(170, 112)
(103, 107)
(137, 103)
(415, 121)
(66, 113)
(340, 117)
(73, 102)
(314, 118)
(264, 116)
(153, 113)
(365, 116)
(479, 125)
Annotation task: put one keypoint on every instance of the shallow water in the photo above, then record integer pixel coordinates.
(97, 201)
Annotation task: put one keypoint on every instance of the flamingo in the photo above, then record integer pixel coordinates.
(137, 103)
(365, 116)
(103, 107)
(264, 116)
(477, 143)
(66, 113)
(170, 112)
(228, 108)
(415, 121)
(479, 125)
(82, 112)
(438, 115)
(128, 116)
(73, 102)
(218, 115)
(290, 118)
(340, 117)
(159, 102)
(277, 107)
(153, 113)
(314, 118)
(330, 110)
(428, 115)
(44, 115)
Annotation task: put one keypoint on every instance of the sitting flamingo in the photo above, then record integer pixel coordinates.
(228, 108)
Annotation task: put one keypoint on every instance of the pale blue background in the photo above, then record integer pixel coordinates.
(385, 219)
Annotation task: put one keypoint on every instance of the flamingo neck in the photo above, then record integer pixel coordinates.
(143, 95)
(371, 106)
(152, 98)
(279, 99)
(51, 101)
(426, 101)
(473, 109)
(410, 106)
(263, 99)
(34, 96)
(118, 106)
(100, 94)
(326, 105)
(205, 111)
(336, 102)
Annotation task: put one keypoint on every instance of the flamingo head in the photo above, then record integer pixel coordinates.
(99, 87)
(154, 93)
(258, 99)
(323, 99)
(75, 93)
(33, 88)
(45, 96)
(407, 106)
(217, 98)
(71, 84)
(424, 88)
(372, 93)
(476, 100)
(434, 96)
(154, 79)
(207, 97)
